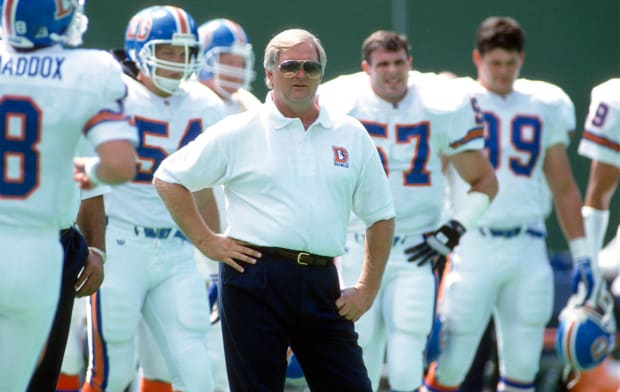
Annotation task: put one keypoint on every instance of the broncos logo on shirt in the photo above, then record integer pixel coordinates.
(341, 156)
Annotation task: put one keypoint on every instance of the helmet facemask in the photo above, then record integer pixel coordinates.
(154, 27)
(77, 27)
(227, 79)
(149, 63)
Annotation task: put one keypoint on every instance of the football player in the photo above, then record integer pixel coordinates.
(501, 269)
(226, 70)
(150, 273)
(601, 143)
(228, 64)
(50, 96)
(415, 121)
(67, 366)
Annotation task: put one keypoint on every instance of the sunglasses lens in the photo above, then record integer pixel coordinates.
(313, 69)
(290, 68)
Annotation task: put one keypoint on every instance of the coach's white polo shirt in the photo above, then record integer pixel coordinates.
(287, 186)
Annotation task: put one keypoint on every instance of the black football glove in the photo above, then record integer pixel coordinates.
(437, 246)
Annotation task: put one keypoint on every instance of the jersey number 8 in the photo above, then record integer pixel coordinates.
(20, 132)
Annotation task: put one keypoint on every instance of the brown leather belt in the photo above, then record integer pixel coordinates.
(303, 258)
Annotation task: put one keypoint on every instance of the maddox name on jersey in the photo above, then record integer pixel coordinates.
(31, 66)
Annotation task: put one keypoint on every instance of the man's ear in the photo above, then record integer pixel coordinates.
(476, 57)
(366, 66)
(269, 79)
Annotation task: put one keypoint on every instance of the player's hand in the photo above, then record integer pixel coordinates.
(437, 246)
(228, 251)
(354, 302)
(79, 173)
(583, 278)
(90, 277)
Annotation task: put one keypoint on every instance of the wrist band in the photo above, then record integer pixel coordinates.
(579, 248)
(98, 251)
(595, 223)
(476, 203)
(90, 169)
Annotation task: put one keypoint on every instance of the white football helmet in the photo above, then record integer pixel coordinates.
(586, 333)
(162, 25)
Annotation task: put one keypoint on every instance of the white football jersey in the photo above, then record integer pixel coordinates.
(431, 121)
(601, 135)
(241, 101)
(164, 125)
(519, 128)
(48, 98)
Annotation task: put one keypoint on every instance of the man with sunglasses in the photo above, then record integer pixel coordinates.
(415, 121)
(292, 172)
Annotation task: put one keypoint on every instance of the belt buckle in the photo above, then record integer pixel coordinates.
(299, 256)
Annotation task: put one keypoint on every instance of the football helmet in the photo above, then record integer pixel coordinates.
(223, 36)
(162, 25)
(586, 333)
(39, 23)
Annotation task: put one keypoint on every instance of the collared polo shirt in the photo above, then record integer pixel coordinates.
(286, 186)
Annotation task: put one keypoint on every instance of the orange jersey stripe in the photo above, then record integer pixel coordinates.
(601, 140)
(472, 134)
(102, 117)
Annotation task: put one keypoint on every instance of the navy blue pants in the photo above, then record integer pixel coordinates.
(276, 303)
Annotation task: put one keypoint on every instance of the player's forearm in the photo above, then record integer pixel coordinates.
(91, 220)
(602, 184)
(117, 162)
(378, 245)
(182, 207)
(568, 210)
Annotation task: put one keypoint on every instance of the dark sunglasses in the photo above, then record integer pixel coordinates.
(290, 68)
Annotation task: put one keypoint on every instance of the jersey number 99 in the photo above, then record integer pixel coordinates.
(526, 143)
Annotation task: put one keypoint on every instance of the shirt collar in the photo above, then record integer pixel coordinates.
(279, 121)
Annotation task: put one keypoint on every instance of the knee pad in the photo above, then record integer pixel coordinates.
(193, 306)
(535, 302)
(462, 309)
(409, 303)
(121, 317)
(405, 360)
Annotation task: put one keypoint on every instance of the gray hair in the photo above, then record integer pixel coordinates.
(287, 39)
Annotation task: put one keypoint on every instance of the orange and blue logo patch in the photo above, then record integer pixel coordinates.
(341, 156)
